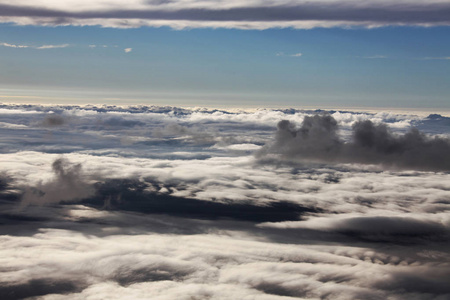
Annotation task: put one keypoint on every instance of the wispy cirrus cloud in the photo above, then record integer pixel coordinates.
(257, 14)
(52, 46)
(13, 45)
(378, 56)
(291, 55)
(43, 47)
(438, 58)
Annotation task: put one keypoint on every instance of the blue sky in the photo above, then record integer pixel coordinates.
(388, 66)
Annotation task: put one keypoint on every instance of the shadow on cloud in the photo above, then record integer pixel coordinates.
(130, 195)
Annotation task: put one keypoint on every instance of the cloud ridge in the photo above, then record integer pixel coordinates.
(371, 143)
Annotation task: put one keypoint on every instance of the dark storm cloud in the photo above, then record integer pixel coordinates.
(316, 138)
(376, 144)
(371, 143)
(348, 12)
(68, 183)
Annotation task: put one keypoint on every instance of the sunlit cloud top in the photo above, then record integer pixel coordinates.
(256, 14)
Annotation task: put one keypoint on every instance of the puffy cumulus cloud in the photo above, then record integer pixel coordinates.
(68, 184)
(227, 14)
(317, 139)
(171, 203)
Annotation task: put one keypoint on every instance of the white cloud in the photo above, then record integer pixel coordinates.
(291, 55)
(13, 45)
(178, 208)
(52, 46)
(43, 47)
(128, 50)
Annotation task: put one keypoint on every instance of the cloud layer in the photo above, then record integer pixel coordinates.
(227, 14)
(107, 202)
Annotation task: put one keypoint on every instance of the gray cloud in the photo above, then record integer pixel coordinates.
(259, 14)
(53, 120)
(317, 139)
(38, 287)
(389, 229)
(68, 184)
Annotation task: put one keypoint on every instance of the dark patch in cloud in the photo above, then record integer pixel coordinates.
(4, 183)
(130, 195)
(273, 288)
(391, 229)
(159, 272)
(317, 140)
(120, 122)
(9, 218)
(53, 120)
(7, 191)
(38, 287)
(430, 284)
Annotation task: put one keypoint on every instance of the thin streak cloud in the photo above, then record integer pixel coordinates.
(438, 58)
(43, 47)
(229, 14)
(290, 55)
(376, 57)
(13, 45)
(52, 46)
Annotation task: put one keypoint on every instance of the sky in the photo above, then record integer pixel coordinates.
(322, 54)
(224, 149)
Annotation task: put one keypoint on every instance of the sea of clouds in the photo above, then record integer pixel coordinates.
(143, 202)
